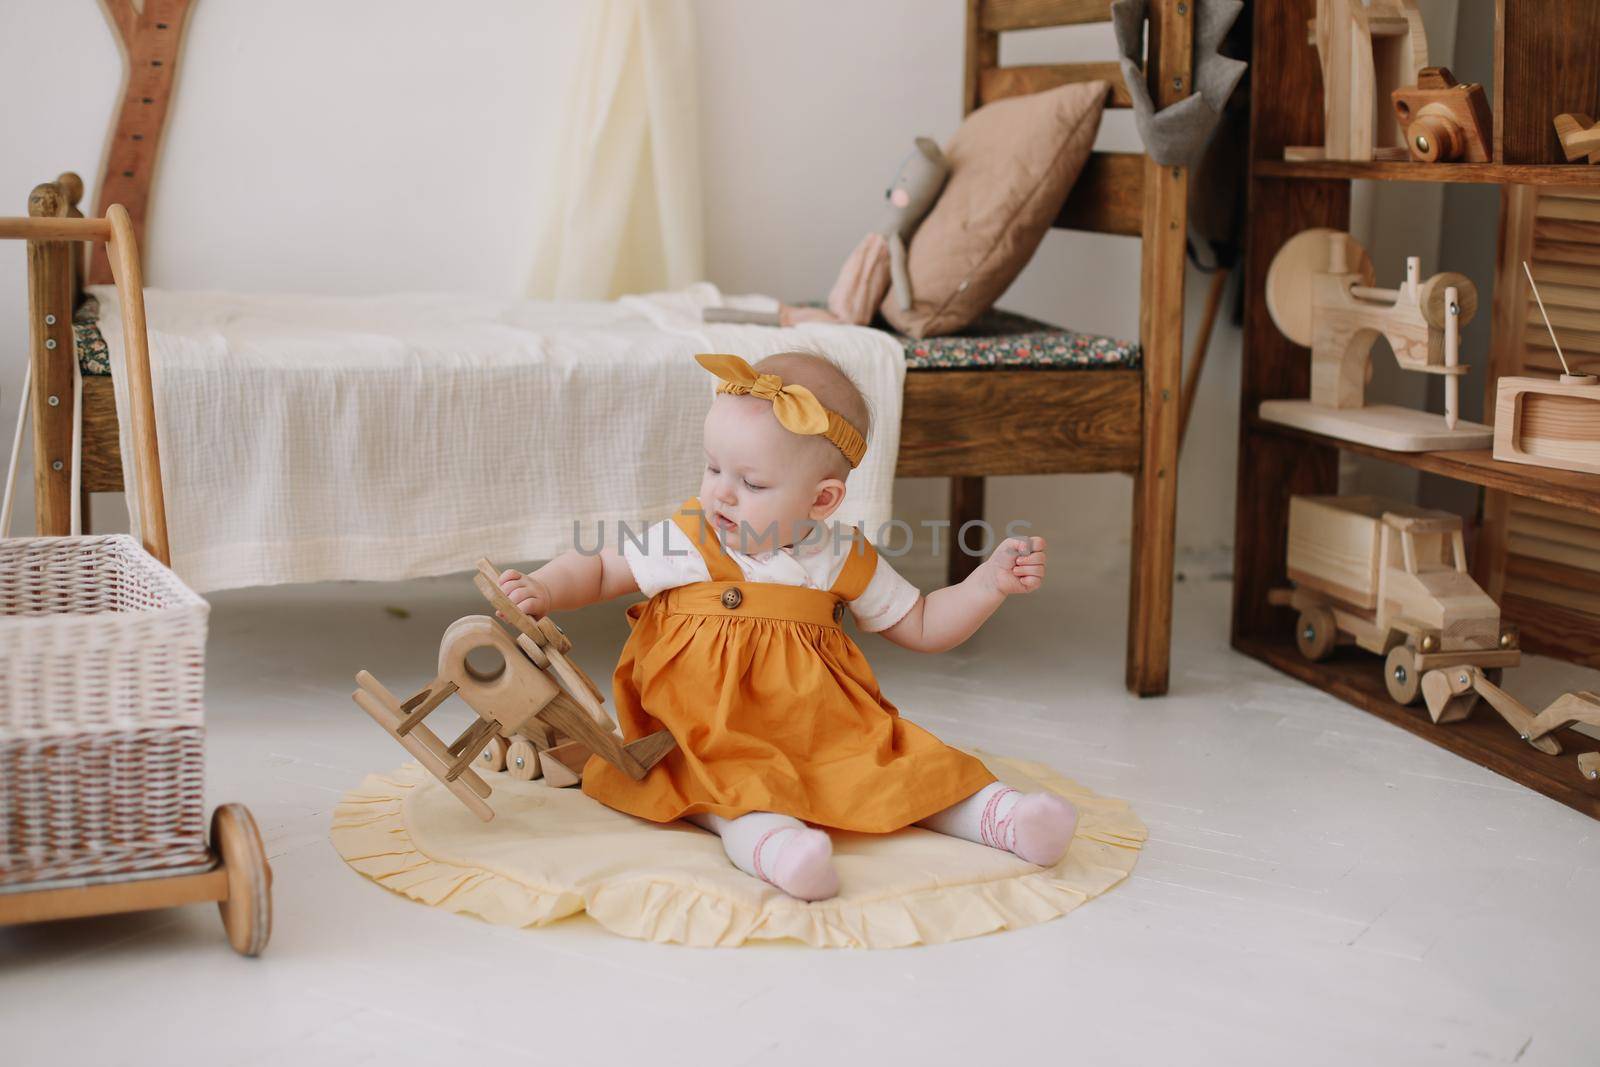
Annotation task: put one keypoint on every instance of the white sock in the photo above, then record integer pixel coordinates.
(778, 849)
(1036, 827)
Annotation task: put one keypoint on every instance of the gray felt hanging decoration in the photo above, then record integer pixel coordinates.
(1175, 135)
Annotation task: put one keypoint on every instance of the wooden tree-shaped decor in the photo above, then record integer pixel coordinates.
(150, 35)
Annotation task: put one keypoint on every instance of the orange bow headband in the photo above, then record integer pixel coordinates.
(797, 408)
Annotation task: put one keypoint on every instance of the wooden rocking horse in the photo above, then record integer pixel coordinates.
(526, 723)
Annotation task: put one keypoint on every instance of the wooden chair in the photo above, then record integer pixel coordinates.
(968, 424)
(964, 424)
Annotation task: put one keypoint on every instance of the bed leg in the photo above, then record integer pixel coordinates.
(966, 505)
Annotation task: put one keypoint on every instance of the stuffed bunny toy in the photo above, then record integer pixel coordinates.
(878, 263)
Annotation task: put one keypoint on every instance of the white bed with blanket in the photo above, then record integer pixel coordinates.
(307, 438)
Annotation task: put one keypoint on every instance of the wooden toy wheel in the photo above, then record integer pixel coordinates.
(1315, 633)
(493, 756)
(1400, 675)
(522, 761)
(1289, 279)
(247, 913)
(1434, 309)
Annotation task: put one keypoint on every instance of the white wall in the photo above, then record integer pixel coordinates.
(368, 146)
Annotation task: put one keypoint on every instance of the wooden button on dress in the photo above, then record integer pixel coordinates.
(732, 598)
(838, 612)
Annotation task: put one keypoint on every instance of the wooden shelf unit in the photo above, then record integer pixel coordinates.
(1477, 466)
(1456, 173)
(1544, 64)
(1484, 738)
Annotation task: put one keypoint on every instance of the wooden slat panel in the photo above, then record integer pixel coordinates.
(1000, 15)
(998, 83)
(1574, 253)
(1108, 197)
(1552, 630)
(1546, 360)
(1537, 570)
(1581, 209)
(1569, 274)
(1584, 296)
(102, 453)
(1573, 316)
(1534, 335)
(990, 422)
(1564, 230)
(1563, 596)
(1577, 556)
(1521, 506)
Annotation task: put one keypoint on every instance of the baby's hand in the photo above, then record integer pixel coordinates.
(530, 595)
(1017, 566)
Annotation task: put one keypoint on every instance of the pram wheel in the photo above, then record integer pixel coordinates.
(247, 913)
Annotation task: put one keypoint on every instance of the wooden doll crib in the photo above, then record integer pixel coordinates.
(961, 423)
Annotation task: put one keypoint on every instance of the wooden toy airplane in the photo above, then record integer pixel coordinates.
(523, 713)
(1580, 139)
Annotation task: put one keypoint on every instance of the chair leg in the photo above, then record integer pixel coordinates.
(1155, 486)
(1155, 502)
(966, 505)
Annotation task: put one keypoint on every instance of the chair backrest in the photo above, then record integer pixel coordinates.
(1109, 194)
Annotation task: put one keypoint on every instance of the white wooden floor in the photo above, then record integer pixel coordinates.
(1319, 887)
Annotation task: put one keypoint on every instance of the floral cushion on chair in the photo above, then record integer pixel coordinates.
(1005, 339)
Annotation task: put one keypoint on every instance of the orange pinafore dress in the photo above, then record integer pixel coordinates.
(773, 706)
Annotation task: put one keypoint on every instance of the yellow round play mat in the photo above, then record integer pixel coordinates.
(551, 853)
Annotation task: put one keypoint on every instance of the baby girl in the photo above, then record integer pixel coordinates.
(740, 654)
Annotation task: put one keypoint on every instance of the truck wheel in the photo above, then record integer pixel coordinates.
(1315, 633)
(493, 756)
(1400, 675)
(522, 761)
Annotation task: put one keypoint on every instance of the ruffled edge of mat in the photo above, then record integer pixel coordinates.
(369, 831)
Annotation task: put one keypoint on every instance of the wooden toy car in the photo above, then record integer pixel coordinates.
(538, 712)
(1392, 579)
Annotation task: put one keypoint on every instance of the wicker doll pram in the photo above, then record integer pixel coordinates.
(102, 665)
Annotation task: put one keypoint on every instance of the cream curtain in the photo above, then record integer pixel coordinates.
(625, 213)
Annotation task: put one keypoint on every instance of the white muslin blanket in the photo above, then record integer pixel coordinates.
(306, 438)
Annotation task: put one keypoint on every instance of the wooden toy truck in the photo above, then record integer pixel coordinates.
(1391, 578)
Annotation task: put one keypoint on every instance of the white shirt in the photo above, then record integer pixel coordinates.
(666, 558)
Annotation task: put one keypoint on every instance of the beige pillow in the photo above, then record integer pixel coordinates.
(1012, 164)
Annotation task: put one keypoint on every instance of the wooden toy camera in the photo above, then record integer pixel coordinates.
(1444, 121)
